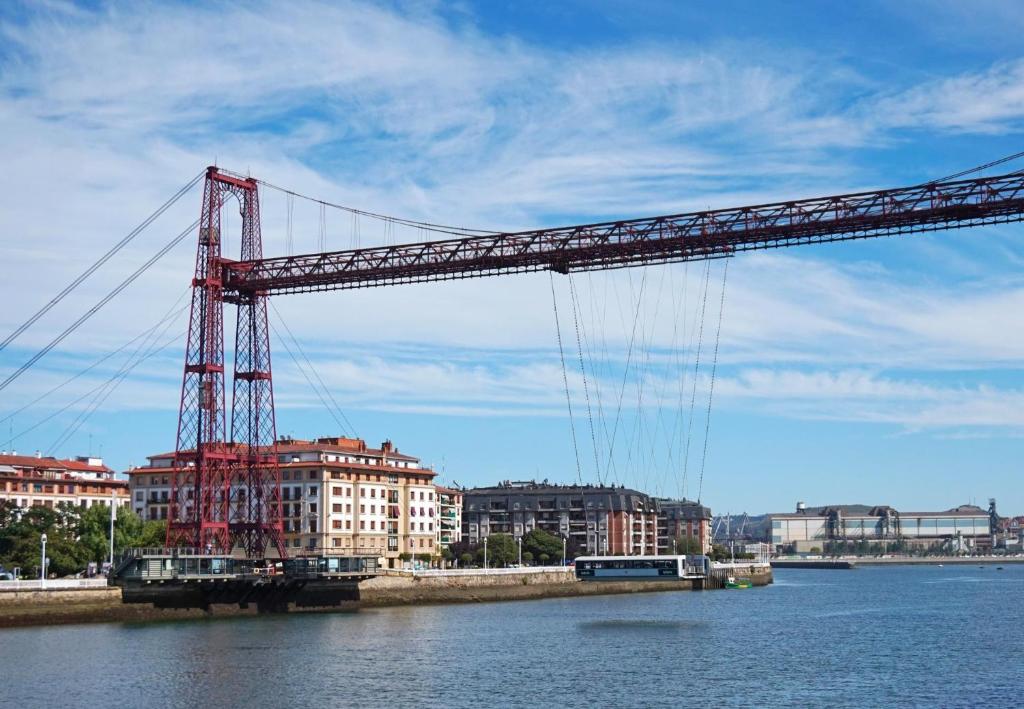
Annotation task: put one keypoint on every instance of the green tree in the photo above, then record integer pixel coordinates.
(538, 542)
(687, 545)
(93, 528)
(502, 550)
(544, 559)
(527, 557)
(466, 558)
(21, 541)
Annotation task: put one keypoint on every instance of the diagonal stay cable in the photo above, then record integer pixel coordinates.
(102, 260)
(565, 380)
(711, 388)
(314, 370)
(302, 371)
(99, 305)
(146, 349)
(102, 359)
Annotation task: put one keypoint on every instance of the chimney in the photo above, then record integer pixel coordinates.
(39, 454)
(801, 508)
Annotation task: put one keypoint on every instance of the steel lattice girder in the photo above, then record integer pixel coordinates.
(682, 237)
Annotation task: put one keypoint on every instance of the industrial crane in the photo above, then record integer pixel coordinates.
(226, 488)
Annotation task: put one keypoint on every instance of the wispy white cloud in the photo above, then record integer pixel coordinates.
(106, 112)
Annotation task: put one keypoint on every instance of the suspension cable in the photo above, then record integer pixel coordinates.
(101, 360)
(108, 387)
(102, 260)
(327, 391)
(696, 371)
(979, 168)
(586, 389)
(711, 387)
(96, 308)
(427, 226)
(565, 380)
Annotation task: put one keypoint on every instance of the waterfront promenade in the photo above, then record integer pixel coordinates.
(20, 606)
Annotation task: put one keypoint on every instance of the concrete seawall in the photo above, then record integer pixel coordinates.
(24, 608)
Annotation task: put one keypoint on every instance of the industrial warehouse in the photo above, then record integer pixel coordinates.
(838, 527)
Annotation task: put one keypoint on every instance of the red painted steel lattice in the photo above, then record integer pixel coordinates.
(226, 492)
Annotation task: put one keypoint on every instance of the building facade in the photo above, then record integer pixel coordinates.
(809, 528)
(338, 496)
(449, 516)
(31, 481)
(593, 519)
(683, 520)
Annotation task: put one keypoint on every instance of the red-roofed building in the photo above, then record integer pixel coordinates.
(338, 495)
(35, 481)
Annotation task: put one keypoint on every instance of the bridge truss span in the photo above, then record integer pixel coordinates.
(692, 236)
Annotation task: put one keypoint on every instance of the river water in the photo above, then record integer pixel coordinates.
(909, 636)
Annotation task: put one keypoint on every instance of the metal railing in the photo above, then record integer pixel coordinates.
(51, 584)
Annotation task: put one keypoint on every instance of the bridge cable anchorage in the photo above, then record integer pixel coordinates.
(99, 305)
(102, 260)
(96, 362)
(711, 385)
(583, 372)
(347, 428)
(565, 380)
(696, 372)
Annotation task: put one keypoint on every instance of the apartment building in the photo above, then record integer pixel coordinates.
(338, 496)
(449, 516)
(29, 481)
(683, 520)
(594, 518)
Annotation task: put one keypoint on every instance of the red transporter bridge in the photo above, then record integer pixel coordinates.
(226, 490)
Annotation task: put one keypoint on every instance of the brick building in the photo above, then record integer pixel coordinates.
(28, 481)
(338, 495)
(683, 520)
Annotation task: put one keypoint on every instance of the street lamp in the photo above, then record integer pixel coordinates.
(113, 516)
(42, 564)
(563, 551)
(485, 552)
(520, 540)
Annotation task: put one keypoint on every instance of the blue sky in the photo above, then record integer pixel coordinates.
(875, 372)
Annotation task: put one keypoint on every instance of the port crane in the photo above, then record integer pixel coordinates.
(226, 482)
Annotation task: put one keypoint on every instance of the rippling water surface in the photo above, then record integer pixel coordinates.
(909, 636)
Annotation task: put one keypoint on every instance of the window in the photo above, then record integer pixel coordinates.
(421, 496)
(362, 524)
(373, 525)
(336, 491)
(348, 524)
(373, 492)
(412, 495)
(312, 491)
(348, 509)
(348, 492)
(362, 509)
(373, 509)
(336, 508)
(362, 492)
(312, 475)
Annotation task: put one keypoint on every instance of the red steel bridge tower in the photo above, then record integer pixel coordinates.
(226, 492)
